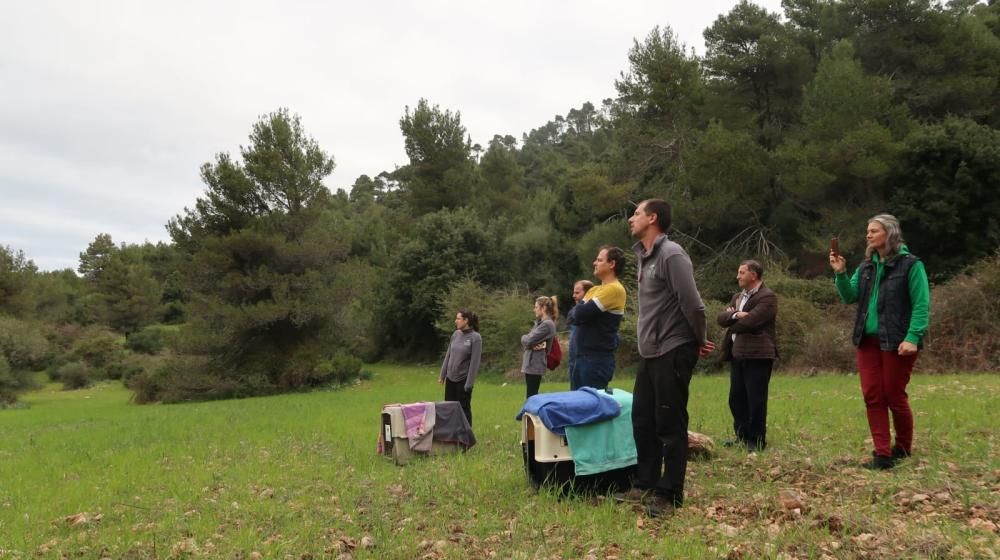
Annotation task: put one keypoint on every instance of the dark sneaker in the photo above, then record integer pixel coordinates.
(633, 496)
(658, 506)
(899, 453)
(880, 463)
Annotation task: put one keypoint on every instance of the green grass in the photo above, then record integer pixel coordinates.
(297, 476)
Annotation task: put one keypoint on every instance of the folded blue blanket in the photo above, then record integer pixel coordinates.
(604, 446)
(571, 408)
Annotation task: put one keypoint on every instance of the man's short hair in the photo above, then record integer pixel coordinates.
(586, 284)
(661, 208)
(617, 255)
(755, 267)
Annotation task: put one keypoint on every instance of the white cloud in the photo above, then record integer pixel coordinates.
(108, 108)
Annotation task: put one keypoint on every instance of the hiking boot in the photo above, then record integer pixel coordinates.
(659, 506)
(899, 453)
(632, 496)
(880, 463)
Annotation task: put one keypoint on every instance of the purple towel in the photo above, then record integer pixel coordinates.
(413, 415)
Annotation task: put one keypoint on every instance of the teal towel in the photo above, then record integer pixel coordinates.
(606, 445)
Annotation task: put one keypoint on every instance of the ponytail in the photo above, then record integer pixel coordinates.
(472, 318)
(550, 304)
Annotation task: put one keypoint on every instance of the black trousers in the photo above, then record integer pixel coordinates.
(455, 391)
(748, 381)
(532, 383)
(660, 421)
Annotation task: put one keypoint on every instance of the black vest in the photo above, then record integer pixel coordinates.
(894, 305)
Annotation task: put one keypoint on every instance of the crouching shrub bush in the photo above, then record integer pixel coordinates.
(75, 375)
(340, 369)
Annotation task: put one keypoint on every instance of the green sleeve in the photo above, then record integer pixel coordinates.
(847, 287)
(920, 299)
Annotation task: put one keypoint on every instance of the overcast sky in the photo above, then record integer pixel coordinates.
(108, 109)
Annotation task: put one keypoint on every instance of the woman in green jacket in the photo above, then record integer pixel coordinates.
(893, 296)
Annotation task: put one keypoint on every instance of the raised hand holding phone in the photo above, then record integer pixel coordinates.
(837, 262)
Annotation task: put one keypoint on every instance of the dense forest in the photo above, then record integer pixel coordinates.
(792, 128)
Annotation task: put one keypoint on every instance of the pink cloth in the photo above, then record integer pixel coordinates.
(419, 419)
(413, 415)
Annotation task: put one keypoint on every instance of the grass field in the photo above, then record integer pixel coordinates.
(85, 474)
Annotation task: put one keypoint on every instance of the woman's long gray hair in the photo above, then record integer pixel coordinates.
(893, 235)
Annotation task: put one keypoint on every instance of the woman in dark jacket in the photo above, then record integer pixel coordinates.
(893, 296)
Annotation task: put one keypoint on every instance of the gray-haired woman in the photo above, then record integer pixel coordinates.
(893, 296)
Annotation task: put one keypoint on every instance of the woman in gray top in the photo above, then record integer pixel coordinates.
(536, 343)
(461, 362)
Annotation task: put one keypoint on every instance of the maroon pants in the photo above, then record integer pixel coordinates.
(884, 376)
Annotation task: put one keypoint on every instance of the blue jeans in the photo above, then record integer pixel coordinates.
(592, 370)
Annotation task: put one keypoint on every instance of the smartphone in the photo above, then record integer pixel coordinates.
(835, 246)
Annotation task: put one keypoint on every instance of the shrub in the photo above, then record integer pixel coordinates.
(173, 313)
(55, 364)
(145, 388)
(149, 340)
(826, 346)
(796, 319)
(818, 291)
(342, 368)
(187, 378)
(63, 337)
(963, 331)
(9, 385)
(99, 349)
(23, 345)
(124, 369)
(75, 375)
(463, 294)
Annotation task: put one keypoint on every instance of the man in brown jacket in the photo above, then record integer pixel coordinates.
(751, 345)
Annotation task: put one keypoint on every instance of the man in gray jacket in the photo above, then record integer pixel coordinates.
(672, 334)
